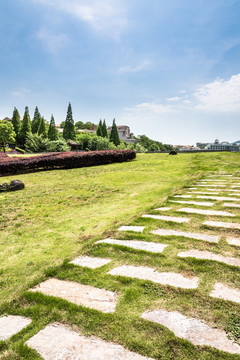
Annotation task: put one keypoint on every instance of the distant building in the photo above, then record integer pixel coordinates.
(223, 146)
(124, 133)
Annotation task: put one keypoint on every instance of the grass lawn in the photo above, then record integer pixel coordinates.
(60, 214)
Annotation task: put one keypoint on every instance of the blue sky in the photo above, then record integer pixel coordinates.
(168, 69)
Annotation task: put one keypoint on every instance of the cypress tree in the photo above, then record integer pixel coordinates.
(26, 127)
(36, 121)
(42, 128)
(99, 129)
(16, 123)
(69, 129)
(52, 131)
(104, 129)
(114, 136)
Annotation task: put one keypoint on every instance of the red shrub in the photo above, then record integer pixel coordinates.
(65, 160)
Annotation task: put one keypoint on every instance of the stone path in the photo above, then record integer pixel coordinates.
(59, 342)
(90, 262)
(11, 325)
(220, 198)
(198, 203)
(222, 224)
(164, 278)
(233, 241)
(193, 330)
(167, 218)
(132, 228)
(221, 291)
(85, 295)
(196, 236)
(207, 255)
(138, 245)
(205, 212)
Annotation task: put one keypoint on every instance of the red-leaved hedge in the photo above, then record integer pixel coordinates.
(64, 160)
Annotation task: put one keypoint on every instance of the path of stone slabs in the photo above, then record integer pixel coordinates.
(163, 288)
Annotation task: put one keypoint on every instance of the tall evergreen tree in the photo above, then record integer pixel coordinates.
(16, 123)
(42, 128)
(52, 131)
(26, 127)
(104, 129)
(114, 136)
(99, 129)
(69, 129)
(36, 121)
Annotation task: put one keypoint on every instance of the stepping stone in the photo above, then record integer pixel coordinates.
(192, 188)
(221, 291)
(164, 278)
(233, 241)
(193, 202)
(90, 262)
(235, 186)
(219, 175)
(59, 342)
(11, 325)
(231, 190)
(182, 196)
(138, 245)
(167, 218)
(222, 224)
(213, 180)
(193, 330)
(232, 205)
(163, 209)
(213, 185)
(220, 198)
(234, 194)
(207, 255)
(85, 295)
(206, 193)
(205, 212)
(204, 237)
(132, 228)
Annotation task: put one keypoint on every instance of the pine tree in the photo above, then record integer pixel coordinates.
(69, 129)
(114, 136)
(52, 131)
(16, 123)
(26, 127)
(104, 129)
(99, 129)
(42, 128)
(36, 121)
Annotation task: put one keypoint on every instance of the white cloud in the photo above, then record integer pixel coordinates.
(173, 99)
(105, 15)
(220, 95)
(52, 41)
(133, 69)
(20, 92)
(152, 107)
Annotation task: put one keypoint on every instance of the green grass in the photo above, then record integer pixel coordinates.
(60, 214)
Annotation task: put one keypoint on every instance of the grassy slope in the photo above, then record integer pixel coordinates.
(61, 213)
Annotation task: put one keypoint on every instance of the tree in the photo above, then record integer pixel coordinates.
(99, 129)
(62, 124)
(26, 127)
(69, 129)
(53, 131)
(114, 136)
(7, 133)
(42, 128)
(104, 129)
(36, 121)
(16, 123)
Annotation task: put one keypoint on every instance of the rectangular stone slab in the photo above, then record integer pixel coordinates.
(220, 198)
(59, 342)
(221, 291)
(167, 218)
(163, 209)
(213, 185)
(232, 205)
(204, 237)
(233, 241)
(85, 295)
(90, 262)
(207, 255)
(198, 203)
(134, 244)
(182, 196)
(193, 330)
(206, 193)
(222, 224)
(11, 325)
(206, 212)
(132, 228)
(164, 278)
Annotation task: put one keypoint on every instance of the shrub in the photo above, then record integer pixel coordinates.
(57, 146)
(37, 144)
(67, 160)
